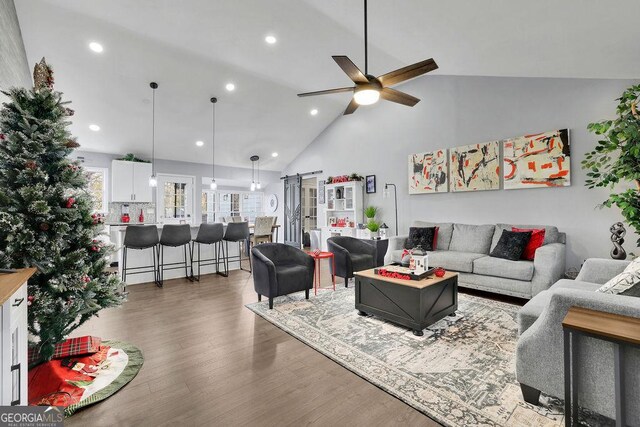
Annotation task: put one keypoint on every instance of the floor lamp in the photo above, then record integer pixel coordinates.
(385, 194)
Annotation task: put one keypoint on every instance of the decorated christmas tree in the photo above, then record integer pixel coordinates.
(46, 218)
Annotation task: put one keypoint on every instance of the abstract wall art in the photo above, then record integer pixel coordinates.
(428, 172)
(540, 160)
(475, 167)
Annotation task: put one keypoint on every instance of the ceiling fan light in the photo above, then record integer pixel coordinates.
(366, 96)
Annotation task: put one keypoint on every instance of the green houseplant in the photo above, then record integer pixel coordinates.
(370, 212)
(616, 157)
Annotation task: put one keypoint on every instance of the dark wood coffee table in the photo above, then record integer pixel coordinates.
(415, 304)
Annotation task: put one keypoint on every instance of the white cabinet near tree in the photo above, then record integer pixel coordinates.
(344, 210)
(13, 341)
(130, 182)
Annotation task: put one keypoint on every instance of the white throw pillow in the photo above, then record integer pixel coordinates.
(623, 281)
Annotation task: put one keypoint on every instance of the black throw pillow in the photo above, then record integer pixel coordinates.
(421, 236)
(511, 245)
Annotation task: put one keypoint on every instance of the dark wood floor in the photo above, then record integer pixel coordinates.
(211, 361)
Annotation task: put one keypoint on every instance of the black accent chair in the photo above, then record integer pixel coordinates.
(351, 255)
(176, 235)
(209, 234)
(280, 269)
(141, 237)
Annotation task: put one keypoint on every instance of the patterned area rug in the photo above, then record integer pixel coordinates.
(460, 373)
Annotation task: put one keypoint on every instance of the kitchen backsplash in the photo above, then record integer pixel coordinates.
(115, 212)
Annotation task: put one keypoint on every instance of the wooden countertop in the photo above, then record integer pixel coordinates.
(612, 326)
(10, 282)
(430, 280)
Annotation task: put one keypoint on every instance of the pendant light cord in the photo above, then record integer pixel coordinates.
(213, 142)
(153, 134)
(366, 52)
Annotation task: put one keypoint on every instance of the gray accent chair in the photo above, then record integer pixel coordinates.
(280, 269)
(539, 354)
(465, 248)
(351, 255)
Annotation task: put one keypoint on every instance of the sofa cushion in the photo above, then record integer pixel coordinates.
(453, 260)
(537, 239)
(396, 256)
(575, 284)
(472, 238)
(498, 267)
(445, 231)
(362, 261)
(498, 285)
(551, 233)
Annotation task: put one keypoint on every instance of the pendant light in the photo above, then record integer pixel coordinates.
(258, 184)
(153, 181)
(253, 159)
(213, 184)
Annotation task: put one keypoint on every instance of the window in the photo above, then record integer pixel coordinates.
(218, 205)
(97, 187)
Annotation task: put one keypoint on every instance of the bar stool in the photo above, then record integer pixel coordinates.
(175, 235)
(210, 234)
(141, 237)
(236, 232)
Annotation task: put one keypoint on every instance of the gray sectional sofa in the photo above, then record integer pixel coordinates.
(465, 248)
(539, 355)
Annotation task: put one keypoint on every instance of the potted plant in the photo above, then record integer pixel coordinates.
(373, 226)
(616, 158)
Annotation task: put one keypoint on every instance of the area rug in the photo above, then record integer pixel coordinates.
(77, 382)
(460, 373)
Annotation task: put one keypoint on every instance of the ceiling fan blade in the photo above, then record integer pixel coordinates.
(399, 97)
(353, 105)
(405, 73)
(350, 69)
(328, 91)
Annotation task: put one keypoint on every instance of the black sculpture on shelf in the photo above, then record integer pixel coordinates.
(617, 237)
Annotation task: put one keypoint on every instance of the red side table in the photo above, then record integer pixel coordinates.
(317, 257)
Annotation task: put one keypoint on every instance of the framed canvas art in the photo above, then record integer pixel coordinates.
(475, 167)
(428, 172)
(539, 160)
(370, 181)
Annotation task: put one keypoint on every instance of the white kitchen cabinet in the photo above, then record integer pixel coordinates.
(130, 182)
(13, 341)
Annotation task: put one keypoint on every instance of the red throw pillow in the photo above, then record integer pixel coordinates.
(435, 238)
(537, 238)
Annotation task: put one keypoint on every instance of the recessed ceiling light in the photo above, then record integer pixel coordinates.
(94, 128)
(199, 143)
(270, 39)
(96, 47)
(274, 154)
(313, 112)
(230, 87)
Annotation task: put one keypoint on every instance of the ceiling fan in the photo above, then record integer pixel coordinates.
(369, 89)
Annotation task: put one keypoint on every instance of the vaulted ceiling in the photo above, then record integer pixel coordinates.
(193, 48)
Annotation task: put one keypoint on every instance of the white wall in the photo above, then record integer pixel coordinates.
(14, 70)
(464, 110)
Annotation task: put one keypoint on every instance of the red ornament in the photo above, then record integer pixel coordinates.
(44, 226)
(30, 165)
(30, 299)
(70, 202)
(439, 272)
(2, 137)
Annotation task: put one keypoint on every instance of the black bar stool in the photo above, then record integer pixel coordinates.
(141, 237)
(236, 232)
(210, 234)
(175, 235)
